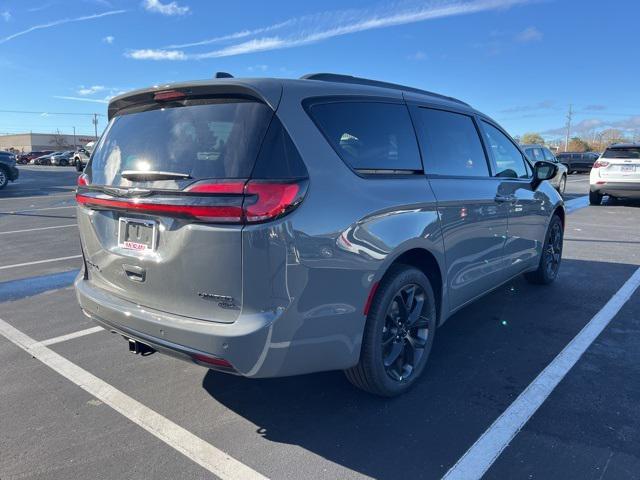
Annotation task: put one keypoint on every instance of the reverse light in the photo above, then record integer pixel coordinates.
(600, 163)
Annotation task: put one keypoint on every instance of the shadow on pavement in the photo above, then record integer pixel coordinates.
(483, 357)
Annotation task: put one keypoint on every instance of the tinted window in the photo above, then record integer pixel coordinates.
(628, 152)
(509, 161)
(212, 140)
(278, 156)
(548, 156)
(451, 144)
(370, 135)
(535, 154)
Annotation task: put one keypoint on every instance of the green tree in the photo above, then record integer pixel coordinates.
(531, 137)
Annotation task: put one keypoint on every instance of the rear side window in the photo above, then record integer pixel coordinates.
(535, 154)
(548, 156)
(369, 135)
(509, 160)
(216, 140)
(279, 157)
(450, 144)
(627, 152)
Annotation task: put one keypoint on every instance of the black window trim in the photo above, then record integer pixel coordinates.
(528, 166)
(414, 106)
(366, 173)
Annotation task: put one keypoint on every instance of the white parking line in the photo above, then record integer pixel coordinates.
(36, 229)
(204, 454)
(71, 336)
(36, 210)
(477, 460)
(37, 262)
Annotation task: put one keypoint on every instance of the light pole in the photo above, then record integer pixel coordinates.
(95, 125)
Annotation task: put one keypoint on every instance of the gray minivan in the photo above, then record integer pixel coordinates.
(269, 227)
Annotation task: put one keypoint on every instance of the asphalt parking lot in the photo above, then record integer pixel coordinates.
(316, 426)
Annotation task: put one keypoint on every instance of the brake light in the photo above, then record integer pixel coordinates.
(600, 163)
(273, 200)
(168, 95)
(214, 202)
(83, 180)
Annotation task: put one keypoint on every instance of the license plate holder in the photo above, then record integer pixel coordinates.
(628, 168)
(136, 234)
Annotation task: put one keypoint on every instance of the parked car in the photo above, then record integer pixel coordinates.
(44, 159)
(616, 173)
(26, 158)
(536, 152)
(8, 170)
(269, 227)
(62, 159)
(81, 156)
(578, 162)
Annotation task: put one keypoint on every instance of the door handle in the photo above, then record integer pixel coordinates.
(505, 198)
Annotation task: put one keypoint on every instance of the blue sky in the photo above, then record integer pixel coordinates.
(520, 61)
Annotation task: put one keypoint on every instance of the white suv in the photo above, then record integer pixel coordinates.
(616, 173)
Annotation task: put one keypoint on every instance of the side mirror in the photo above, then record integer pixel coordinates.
(543, 171)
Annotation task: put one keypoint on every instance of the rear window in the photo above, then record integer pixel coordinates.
(626, 152)
(218, 139)
(369, 135)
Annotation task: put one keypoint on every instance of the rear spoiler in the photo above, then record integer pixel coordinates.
(268, 91)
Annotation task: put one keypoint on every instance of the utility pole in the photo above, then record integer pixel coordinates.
(569, 116)
(75, 146)
(95, 125)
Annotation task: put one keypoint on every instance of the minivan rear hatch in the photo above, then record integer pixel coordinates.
(161, 202)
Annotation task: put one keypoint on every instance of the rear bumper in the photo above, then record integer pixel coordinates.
(617, 189)
(268, 344)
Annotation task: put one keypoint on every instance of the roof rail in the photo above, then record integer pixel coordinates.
(338, 78)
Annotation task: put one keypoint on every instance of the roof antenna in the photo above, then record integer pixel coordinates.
(223, 75)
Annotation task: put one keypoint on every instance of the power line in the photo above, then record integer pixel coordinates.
(53, 113)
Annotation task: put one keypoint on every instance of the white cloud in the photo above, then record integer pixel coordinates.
(531, 34)
(55, 23)
(235, 35)
(6, 15)
(418, 56)
(81, 99)
(84, 91)
(151, 54)
(320, 27)
(171, 8)
(109, 39)
(258, 68)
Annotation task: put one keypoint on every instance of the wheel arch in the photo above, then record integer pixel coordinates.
(425, 261)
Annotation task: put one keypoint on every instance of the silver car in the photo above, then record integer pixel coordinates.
(536, 152)
(269, 227)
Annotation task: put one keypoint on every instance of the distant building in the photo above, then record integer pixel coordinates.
(29, 142)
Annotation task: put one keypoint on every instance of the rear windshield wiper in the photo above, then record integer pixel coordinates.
(142, 175)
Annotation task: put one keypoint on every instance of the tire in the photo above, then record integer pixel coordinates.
(562, 185)
(64, 163)
(79, 166)
(389, 334)
(551, 257)
(595, 198)
(4, 178)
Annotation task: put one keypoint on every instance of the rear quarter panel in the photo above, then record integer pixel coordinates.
(321, 261)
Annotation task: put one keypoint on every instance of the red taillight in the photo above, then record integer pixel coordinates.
(83, 180)
(168, 95)
(273, 200)
(210, 360)
(215, 202)
(600, 163)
